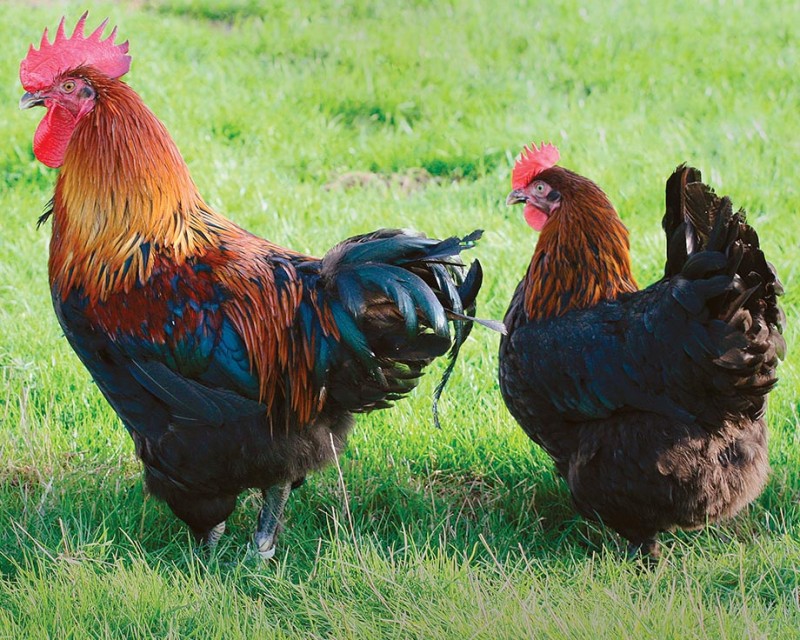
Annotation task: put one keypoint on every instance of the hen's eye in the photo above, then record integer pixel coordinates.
(68, 86)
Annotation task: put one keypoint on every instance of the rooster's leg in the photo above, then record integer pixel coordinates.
(269, 518)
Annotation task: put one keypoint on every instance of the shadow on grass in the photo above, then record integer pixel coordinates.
(506, 515)
(103, 514)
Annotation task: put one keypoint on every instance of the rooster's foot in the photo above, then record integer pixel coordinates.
(269, 519)
(208, 541)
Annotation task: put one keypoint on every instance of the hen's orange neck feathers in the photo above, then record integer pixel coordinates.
(582, 256)
(123, 191)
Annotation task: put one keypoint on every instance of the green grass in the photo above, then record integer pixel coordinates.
(459, 533)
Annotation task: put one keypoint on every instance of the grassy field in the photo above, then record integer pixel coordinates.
(308, 122)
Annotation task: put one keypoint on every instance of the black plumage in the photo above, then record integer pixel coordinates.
(652, 403)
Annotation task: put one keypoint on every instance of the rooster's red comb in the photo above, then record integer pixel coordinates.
(43, 65)
(531, 162)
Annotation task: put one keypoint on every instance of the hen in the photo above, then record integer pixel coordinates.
(651, 402)
(232, 362)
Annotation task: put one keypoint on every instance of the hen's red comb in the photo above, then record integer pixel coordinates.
(41, 67)
(531, 162)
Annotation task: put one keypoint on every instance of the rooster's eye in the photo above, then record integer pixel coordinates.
(68, 86)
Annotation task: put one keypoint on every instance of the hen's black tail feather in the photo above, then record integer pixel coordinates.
(724, 270)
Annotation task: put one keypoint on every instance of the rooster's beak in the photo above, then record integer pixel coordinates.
(515, 197)
(29, 100)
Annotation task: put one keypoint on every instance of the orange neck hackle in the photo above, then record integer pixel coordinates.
(123, 191)
(582, 256)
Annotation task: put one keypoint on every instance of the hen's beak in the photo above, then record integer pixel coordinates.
(29, 100)
(515, 197)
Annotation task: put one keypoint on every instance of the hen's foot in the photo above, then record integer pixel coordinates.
(645, 551)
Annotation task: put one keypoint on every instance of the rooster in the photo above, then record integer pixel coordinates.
(650, 402)
(232, 362)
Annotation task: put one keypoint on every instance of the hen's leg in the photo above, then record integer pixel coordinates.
(645, 549)
(269, 519)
